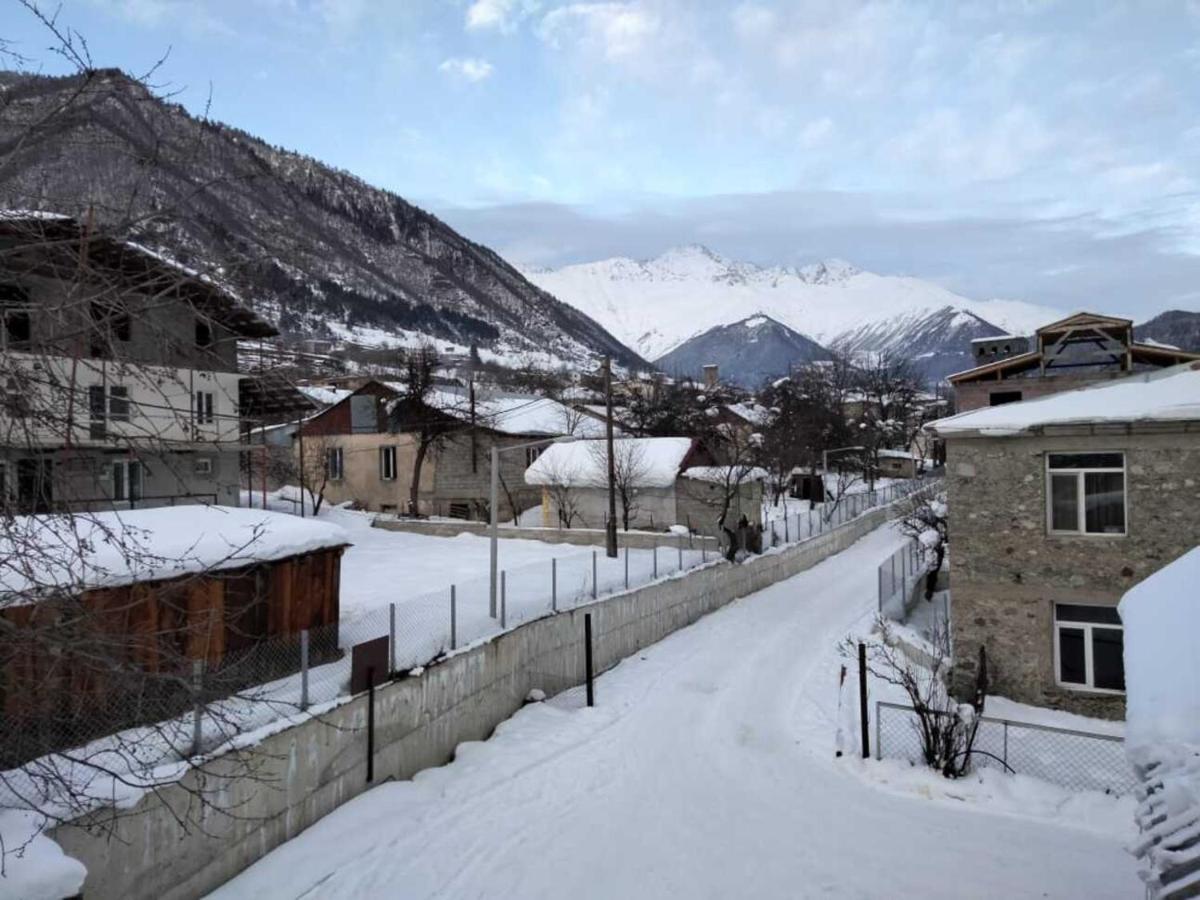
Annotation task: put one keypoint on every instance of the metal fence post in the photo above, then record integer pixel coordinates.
(626, 567)
(503, 599)
(879, 578)
(554, 584)
(878, 738)
(587, 657)
(453, 617)
(681, 554)
(704, 548)
(304, 669)
(593, 574)
(370, 724)
(197, 703)
(391, 637)
(864, 723)
(787, 538)
(654, 554)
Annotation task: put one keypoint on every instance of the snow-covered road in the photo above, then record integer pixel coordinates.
(706, 770)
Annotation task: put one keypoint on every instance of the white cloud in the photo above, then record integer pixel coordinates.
(616, 29)
(486, 14)
(750, 20)
(467, 68)
(816, 132)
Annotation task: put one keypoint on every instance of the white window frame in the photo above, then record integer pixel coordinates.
(1089, 664)
(334, 473)
(1081, 495)
(387, 460)
(531, 455)
(205, 405)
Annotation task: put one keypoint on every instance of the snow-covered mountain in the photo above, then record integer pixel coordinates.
(656, 305)
(749, 352)
(317, 250)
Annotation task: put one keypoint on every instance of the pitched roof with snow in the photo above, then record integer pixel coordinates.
(513, 414)
(1169, 395)
(651, 462)
(107, 549)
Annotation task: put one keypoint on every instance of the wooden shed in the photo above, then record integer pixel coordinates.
(87, 659)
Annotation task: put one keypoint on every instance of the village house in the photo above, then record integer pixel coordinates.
(1057, 507)
(1081, 349)
(119, 381)
(363, 449)
(660, 482)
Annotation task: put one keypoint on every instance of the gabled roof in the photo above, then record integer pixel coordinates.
(651, 462)
(1168, 395)
(1086, 320)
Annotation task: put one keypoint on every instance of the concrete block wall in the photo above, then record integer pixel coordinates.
(310, 769)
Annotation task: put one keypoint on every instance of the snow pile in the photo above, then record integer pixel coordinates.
(1162, 677)
(652, 462)
(107, 549)
(1168, 395)
(35, 868)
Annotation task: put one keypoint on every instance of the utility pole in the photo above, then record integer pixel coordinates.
(611, 531)
(300, 441)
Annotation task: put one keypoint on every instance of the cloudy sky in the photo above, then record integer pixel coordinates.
(1047, 151)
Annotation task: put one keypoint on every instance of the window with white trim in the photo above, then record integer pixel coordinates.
(1085, 493)
(204, 407)
(333, 463)
(387, 463)
(531, 455)
(1089, 644)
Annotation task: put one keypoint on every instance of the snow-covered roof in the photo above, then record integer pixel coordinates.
(73, 553)
(897, 454)
(651, 462)
(513, 414)
(325, 396)
(751, 412)
(723, 474)
(1168, 395)
(1162, 655)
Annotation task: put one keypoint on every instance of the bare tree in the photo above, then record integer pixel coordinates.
(925, 521)
(946, 728)
(416, 414)
(630, 468)
(562, 482)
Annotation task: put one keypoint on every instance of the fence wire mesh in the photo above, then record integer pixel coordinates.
(1076, 760)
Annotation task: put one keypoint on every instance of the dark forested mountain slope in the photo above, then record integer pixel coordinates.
(318, 250)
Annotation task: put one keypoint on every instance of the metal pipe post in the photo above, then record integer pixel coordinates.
(370, 724)
(864, 723)
(554, 584)
(304, 669)
(594, 554)
(453, 617)
(494, 534)
(587, 658)
(626, 567)
(197, 703)
(391, 637)
(503, 601)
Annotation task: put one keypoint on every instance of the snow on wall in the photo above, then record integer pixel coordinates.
(113, 548)
(1162, 679)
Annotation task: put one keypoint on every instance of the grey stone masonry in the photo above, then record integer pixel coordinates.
(1007, 571)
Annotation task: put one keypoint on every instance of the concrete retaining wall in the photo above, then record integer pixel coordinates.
(312, 768)
(589, 537)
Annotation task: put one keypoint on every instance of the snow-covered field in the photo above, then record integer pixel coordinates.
(707, 769)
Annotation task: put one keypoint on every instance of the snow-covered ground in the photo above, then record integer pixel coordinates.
(707, 769)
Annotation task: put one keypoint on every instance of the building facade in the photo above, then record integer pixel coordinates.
(1057, 507)
(119, 379)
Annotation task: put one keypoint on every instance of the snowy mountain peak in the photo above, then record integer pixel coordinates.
(828, 271)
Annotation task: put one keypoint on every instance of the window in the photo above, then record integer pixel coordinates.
(531, 455)
(16, 401)
(387, 463)
(204, 334)
(127, 480)
(204, 407)
(1089, 645)
(363, 416)
(14, 308)
(112, 321)
(1086, 493)
(203, 466)
(97, 410)
(333, 463)
(118, 403)
(999, 398)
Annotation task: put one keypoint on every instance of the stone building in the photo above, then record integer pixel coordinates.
(363, 449)
(1057, 507)
(1082, 349)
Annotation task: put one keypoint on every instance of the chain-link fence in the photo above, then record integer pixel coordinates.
(898, 576)
(1077, 760)
(819, 518)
